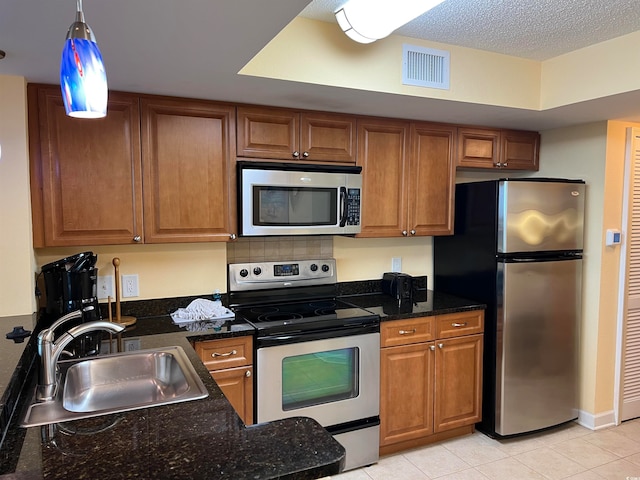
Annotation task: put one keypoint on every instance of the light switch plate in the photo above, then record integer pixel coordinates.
(396, 264)
(105, 286)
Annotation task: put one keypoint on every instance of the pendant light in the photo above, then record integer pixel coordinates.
(366, 21)
(83, 80)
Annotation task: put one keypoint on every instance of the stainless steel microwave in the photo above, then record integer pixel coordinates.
(296, 199)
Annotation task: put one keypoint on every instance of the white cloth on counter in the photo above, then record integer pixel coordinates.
(202, 309)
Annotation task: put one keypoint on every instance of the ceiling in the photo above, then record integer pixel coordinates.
(194, 48)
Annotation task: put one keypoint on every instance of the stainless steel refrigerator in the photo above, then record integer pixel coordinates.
(517, 247)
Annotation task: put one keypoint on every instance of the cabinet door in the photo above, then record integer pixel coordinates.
(237, 386)
(520, 150)
(188, 154)
(458, 382)
(268, 133)
(478, 148)
(431, 179)
(383, 146)
(328, 137)
(85, 174)
(406, 392)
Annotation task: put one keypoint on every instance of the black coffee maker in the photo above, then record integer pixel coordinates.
(71, 284)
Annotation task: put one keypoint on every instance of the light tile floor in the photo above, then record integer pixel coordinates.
(566, 452)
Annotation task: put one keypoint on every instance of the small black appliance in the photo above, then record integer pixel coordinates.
(71, 284)
(399, 285)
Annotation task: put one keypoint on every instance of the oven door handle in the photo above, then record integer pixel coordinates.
(343, 206)
(308, 336)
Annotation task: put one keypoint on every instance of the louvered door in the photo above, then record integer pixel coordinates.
(630, 407)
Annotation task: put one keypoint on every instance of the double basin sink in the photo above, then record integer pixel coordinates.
(119, 383)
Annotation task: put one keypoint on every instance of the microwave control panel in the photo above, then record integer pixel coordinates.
(353, 206)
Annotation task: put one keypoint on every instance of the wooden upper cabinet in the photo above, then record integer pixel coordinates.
(383, 146)
(520, 150)
(498, 149)
(431, 179)
(408, 178)
(281, 134)
(85, 173)
(188, 156)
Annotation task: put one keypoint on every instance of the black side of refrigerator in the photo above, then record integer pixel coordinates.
(465, 265)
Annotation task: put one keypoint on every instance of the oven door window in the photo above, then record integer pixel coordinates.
(293, 206)
(321, 377)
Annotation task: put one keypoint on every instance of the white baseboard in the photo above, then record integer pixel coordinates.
(598, 421)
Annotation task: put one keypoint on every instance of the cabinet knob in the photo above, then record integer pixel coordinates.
(233, 236)
(413, 232)
(504, 164)
(295, 154)
(404, 233)
(497, 164)
(247, 373)
(137, 238)
(432, 348)
(305, 154)
(440, 345)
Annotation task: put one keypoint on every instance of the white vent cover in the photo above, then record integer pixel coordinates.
(425, 67)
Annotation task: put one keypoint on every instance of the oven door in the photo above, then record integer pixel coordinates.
(332, 380)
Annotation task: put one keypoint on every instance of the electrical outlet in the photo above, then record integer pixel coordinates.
(396, 264)
(105, 286)
(130, 286)
(131, 344)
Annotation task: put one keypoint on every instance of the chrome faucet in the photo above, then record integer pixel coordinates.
(50, 351)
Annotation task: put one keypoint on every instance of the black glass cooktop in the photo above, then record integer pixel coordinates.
(304, 315)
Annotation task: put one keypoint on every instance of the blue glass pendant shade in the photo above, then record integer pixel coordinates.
(83, 79)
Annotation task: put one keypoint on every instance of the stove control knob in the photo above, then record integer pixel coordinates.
(257, 271)
(244, 272)
(325, 268)
(314, 267)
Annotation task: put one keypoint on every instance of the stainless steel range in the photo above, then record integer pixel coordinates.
(316, 356)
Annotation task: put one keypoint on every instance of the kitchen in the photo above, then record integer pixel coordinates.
(592, 151)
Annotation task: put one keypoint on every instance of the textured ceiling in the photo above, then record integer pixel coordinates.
(534, 29)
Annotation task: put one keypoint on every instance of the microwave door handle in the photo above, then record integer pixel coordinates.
(343, 206)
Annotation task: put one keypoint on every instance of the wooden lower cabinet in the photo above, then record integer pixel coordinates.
(230, 363)
(237, 386)
(430, 387)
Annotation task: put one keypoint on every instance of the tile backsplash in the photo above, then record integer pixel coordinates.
(273, 249)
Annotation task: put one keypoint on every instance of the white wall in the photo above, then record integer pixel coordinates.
(16, 246)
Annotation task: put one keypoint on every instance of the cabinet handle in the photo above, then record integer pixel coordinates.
(247, 373)
(407, 332)
(137, 238)
(432, 348)
(228, 354)
(295, 154)
(305, 154)
(413, 232)
(404, 233)
(233, 236)
(456, 325)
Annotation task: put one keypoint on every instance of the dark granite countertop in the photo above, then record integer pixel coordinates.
(196, 439)
(425, 303)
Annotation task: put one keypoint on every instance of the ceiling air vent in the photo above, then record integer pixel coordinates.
(425, 67)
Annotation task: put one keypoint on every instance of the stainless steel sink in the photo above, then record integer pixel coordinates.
(118, 383)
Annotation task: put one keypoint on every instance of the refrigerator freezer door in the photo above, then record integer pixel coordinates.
(540, 216)
(536, 356)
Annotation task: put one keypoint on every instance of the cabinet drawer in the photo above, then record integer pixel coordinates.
(225, 353)
(405, 332)
(458, 324)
